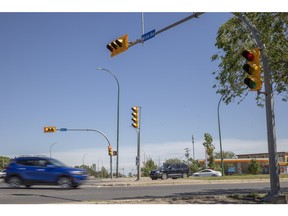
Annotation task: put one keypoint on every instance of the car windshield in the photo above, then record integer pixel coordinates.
(56, 163)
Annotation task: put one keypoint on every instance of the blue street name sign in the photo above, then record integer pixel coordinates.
(63, 129)
(148, 35)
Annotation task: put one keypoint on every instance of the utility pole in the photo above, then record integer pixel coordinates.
(193, 147)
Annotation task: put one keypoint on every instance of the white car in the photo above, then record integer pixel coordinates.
(2, 173)
(207, 173)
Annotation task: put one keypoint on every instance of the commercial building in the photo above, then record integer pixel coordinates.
(240, 164)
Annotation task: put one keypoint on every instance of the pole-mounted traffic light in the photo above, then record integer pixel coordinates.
(135, 117)
(50, 129)
(253, 68)
(110, 150)
(119, 45)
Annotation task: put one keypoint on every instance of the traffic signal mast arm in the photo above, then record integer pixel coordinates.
(121, 44)
(194, 15)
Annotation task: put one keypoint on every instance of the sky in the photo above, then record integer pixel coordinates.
(49, 77)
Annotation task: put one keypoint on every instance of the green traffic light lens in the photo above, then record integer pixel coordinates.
(250, 83)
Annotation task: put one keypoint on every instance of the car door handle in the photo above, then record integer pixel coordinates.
(40, 169)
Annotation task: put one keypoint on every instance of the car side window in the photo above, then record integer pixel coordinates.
(42, 163)
(26, 162)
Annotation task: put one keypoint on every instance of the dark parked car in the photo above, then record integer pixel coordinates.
(174, 171)
(34, 170)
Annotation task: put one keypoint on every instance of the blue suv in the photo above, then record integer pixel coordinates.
(35, 170)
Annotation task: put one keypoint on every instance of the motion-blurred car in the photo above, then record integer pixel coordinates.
(174, 171)
(34, 170)
(207, 173)
(2, 173)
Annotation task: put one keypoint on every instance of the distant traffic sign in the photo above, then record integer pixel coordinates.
(63, 129)
(148, 35)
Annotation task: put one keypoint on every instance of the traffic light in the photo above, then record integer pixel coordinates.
(50, 129)
(110, 150)
(119, 45)
(135, 117)
(253, 68)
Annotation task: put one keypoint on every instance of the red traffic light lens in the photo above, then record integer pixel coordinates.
(248, 55)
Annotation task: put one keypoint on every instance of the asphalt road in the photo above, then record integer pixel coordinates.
(91, 192)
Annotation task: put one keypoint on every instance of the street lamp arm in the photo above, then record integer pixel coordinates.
(51, 148)
(94, 130)
(111, 74)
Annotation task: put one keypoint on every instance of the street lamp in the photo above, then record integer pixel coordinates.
(51, 148)
(221, 152)
(118, 102)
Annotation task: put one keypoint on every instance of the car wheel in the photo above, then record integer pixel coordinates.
(164, 176)
(64, 182)
(14, 182)
(27, 186)
(214, 175)
(185, 175)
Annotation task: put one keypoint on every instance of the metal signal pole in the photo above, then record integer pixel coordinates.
(270, 116)
(138, 148)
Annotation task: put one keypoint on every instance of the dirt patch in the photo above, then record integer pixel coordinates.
(184, 200)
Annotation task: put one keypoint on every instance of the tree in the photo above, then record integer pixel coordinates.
(4, 161)
(173, 160)
(254, 167)
(147, 167)
(226, 154)
(104, 173)
(194, 165)
(209, 148)
(233, 37)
